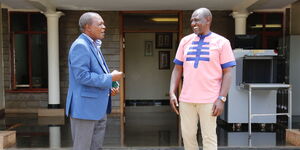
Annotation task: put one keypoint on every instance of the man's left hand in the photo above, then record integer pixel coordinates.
(218, 108)
(114, 91)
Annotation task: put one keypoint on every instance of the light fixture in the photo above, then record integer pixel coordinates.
(267, 26)
(273, 25)
(165, 19)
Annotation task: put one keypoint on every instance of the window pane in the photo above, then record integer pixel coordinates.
(21, 61)
(38, 22)
(39, 61)
(152, 22)
(19, 22)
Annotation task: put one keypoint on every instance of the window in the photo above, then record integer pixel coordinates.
(268, 26)
(29, 50)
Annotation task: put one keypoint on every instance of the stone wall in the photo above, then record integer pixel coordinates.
(6, 53)
(2, 99)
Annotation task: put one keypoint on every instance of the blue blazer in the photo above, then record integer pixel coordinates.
(89, 83)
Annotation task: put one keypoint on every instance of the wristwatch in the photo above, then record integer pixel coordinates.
(222, 98)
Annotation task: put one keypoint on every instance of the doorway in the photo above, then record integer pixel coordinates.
(150, 40)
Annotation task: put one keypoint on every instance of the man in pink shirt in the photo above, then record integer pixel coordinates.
(205, 60)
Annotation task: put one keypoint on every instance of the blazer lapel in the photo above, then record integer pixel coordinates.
(104, 63)
(93, 49)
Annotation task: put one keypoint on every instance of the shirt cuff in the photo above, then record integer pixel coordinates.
(178, 62)
(228, 64)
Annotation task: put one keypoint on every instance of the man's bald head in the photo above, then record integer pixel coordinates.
(202, 14)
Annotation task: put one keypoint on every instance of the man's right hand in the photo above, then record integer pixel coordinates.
(116, 75)
(174, 104)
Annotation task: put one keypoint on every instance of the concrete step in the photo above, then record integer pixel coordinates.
(293, 136)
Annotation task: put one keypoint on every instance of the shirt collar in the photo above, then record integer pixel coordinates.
(96, 42)
(203, 36)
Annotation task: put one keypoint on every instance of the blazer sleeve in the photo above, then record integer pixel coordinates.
(80, 65)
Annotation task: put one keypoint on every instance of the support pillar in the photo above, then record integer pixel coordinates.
(54, 137)
(240, 19)
(53, 59)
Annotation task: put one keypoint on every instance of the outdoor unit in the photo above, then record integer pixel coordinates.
(253, 67)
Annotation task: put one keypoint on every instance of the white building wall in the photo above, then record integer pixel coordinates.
(144, 80)
(294, 57)
(295, 72)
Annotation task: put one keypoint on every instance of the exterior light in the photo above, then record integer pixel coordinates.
(165, 19)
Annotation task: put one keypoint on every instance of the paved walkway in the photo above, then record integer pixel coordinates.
(168, 148)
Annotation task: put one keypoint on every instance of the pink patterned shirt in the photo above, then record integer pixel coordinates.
(203, 59)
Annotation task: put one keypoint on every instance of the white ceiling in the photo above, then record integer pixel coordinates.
(119, 5)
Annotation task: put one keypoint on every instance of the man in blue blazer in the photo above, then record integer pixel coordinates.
(90, 85)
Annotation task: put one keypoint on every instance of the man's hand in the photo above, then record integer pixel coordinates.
(218, 108)
(116, 75)
(174, 104)
(114, 91)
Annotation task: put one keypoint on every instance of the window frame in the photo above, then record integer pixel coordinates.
(29, 34)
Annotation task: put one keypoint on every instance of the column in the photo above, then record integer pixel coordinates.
(54, 137)
(53, 59)
(240, 22)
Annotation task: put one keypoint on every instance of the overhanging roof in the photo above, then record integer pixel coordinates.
(124, 5)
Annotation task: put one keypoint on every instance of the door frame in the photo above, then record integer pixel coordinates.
(122, 41)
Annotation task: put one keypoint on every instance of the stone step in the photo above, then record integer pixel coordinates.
(51, 112)
(7, 139)
(293, 136)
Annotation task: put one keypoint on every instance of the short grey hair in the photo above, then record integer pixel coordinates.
(86, 18)
(202, 13)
